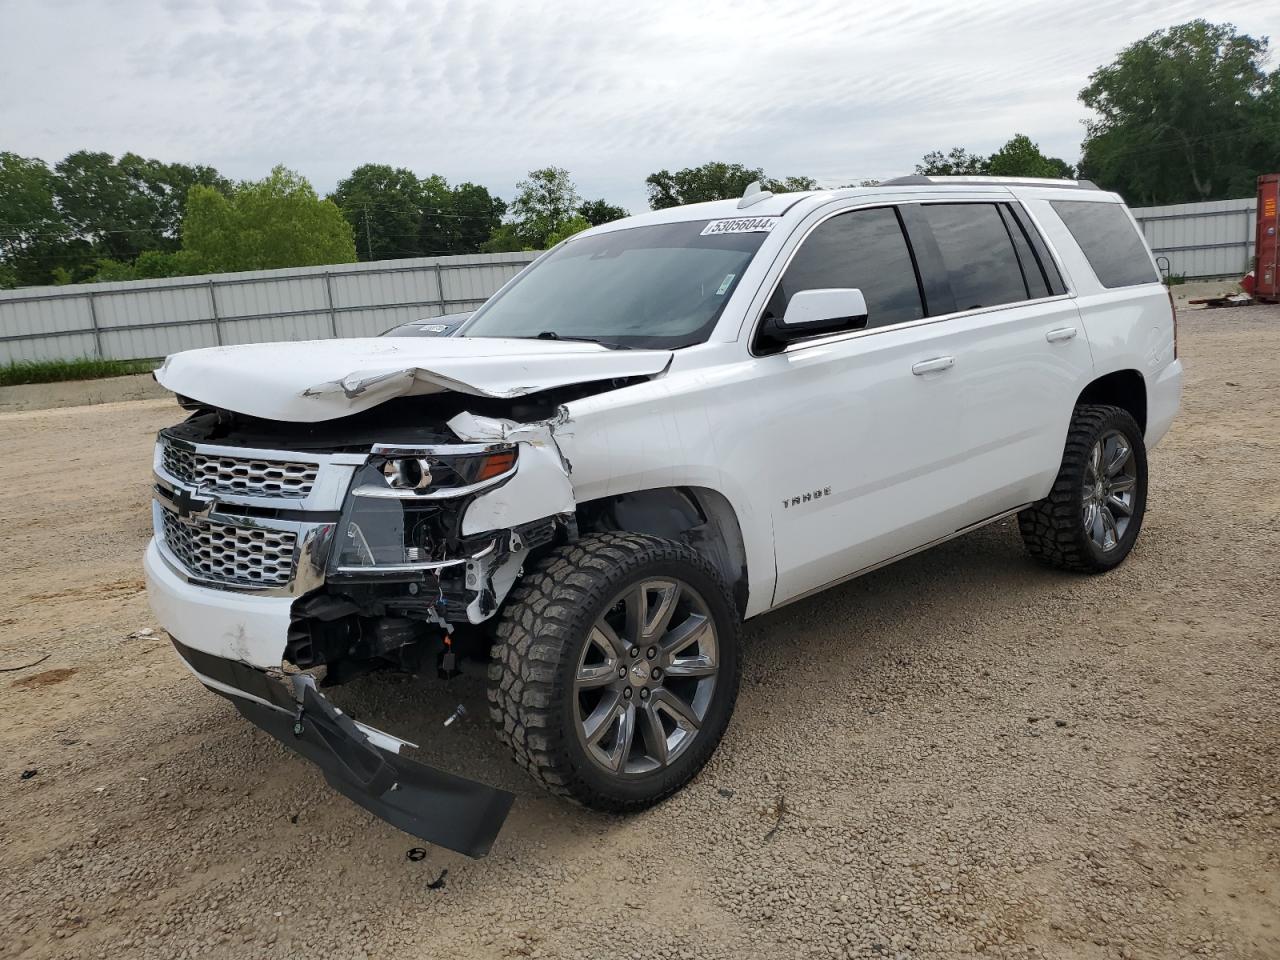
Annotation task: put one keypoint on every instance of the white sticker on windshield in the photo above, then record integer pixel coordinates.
(740, 225)
(725, 286)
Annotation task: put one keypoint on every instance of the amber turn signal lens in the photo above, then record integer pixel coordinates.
(496, 464)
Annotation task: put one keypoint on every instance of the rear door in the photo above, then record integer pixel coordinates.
(1018, 345)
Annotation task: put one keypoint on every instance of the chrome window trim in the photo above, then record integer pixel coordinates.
(905, 324)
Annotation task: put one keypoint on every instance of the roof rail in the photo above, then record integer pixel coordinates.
(917, 179)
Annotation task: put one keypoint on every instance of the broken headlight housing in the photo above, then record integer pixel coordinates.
(404, 512)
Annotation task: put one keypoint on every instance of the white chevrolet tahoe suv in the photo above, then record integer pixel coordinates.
(663, 426)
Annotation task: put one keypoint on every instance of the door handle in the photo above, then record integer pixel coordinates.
(1062, 333)
(936, 365)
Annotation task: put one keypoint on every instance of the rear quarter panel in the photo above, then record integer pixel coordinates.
(1129, 328)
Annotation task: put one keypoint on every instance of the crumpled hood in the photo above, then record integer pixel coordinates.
(315, 380)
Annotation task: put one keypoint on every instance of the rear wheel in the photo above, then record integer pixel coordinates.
(616, 669)
(1092, 516)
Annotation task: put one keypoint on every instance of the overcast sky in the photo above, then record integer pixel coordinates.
(485, 91)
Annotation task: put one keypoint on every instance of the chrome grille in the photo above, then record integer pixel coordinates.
(246, 476)
(242, 556)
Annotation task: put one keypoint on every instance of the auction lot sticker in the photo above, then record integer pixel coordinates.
(740, 225)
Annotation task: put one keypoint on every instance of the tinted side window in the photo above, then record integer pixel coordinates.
(1109, 241)
(864, 249)
(978, 254)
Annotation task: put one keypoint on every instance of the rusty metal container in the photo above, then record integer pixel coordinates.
(1266, 267)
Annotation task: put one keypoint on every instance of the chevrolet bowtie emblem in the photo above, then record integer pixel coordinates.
(189, 505)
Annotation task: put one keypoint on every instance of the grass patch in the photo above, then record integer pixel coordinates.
(86, 368)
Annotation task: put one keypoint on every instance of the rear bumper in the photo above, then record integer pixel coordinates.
(230, 640)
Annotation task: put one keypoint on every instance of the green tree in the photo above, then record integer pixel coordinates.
(596, 212)
(791, 185)
(383, 204)
(545, 201)
(32, 231)
(155, 264)
(435, 228)
(714, 181)
(476, 213)
(958, 162)
(567, 229)
(1020, 157)
(711, 181)
(150, 265)
(504, 239)
(122, 207)
(395, 214)
(1187, 113)
(107, 270)
(266, 224)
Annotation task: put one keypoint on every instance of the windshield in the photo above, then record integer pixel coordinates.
(660, 286)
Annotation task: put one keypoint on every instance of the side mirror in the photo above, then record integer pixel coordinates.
(813, 313)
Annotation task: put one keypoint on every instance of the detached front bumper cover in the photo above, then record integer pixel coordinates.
(436, 806)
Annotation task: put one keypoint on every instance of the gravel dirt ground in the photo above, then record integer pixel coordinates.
(960, 753)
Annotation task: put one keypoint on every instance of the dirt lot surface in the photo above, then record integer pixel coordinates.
(960, 753)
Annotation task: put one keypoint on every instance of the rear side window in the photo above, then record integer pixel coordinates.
(978, 254)
(1109, 240)
(864, 249)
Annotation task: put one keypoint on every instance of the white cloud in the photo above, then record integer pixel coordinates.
(485, 90)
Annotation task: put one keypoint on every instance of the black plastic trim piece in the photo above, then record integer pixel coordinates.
(436, 806)
(938, 296)
(1002, 211)
(1052, 276)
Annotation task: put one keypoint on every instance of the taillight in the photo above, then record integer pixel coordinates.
(1173, 312)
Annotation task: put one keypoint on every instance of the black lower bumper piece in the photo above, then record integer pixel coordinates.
(436, 806)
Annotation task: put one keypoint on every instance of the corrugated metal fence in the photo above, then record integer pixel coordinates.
(1211, 239)
(153, 318)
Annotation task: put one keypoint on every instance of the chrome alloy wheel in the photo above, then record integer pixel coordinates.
(646, 677)
(1110, 481)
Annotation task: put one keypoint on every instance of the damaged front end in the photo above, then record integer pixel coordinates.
(290, 557)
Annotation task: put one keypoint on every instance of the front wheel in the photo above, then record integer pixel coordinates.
(615, 669)
(1091, 518)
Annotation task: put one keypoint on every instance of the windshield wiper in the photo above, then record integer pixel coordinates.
(552, 335)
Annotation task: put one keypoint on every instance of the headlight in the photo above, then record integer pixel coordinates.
(404, 511)
(449, 473)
